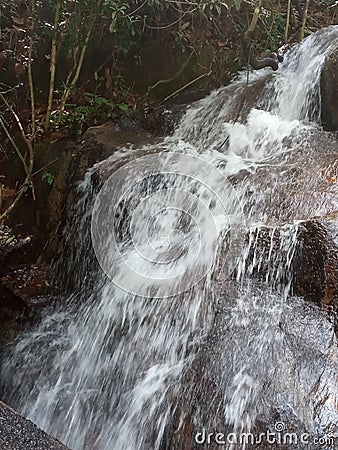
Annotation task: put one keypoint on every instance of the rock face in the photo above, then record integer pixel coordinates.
(329, 93)
(315, 268)
(23, 284)
(302, 371)
(308, 194)
(11, 306)
(290, 359)
(18, 433)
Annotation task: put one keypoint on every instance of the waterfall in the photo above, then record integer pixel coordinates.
(161, 252)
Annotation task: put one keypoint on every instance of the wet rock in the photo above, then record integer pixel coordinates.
(23, 293)
(16, 247)
(315, 267)
(329, 92)
(11, 306)
(29, 283)
(23, 286)
(97, 144)
(304, 198)
(313, 272)
(271, 364)
(247, 100)
(18, 433)
(161, 120)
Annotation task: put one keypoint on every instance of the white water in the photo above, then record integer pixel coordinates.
(110, 368)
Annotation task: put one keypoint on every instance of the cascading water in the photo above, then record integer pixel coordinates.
(113, 367)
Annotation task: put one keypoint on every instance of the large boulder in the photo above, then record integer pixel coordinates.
(329, 92)
(263, 371)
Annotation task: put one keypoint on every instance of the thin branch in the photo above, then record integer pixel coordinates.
(186, 85)
(97, 70)
(53, 65)
(30, 141)
(16, 117)
(254, 62)
(16, 148)
(71, 86)
(45, 167)
(30, 78)
(13, 204)
(138, 8)
(159, 82)
(288, 14)
(254, 19)
(302, 30)
(173, 23)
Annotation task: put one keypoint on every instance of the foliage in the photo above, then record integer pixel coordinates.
(76, 118)
(45, 47)
(136, 18)
(48, 177)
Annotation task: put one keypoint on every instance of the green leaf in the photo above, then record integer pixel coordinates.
(10, 239)
(48, 177)
(123, 107)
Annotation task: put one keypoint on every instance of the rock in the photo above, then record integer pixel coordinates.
(97, 144)
(23, 284)
(161, 120)
(329, 92)
(29, 283)
(305, 192)
(262, 367)
(315, 266)
(11, 306)
(101, 142)
(18, 433)
(23, 293)
(16, 246)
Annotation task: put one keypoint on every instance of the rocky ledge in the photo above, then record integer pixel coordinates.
(18, 433)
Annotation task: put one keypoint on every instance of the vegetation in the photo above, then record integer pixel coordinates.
(63, 62)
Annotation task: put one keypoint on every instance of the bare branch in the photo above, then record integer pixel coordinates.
(304, 17)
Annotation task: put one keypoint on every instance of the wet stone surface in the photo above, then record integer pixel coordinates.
(18, 433)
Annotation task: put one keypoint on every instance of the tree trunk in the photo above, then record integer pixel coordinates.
(52, 66)
(302, 30)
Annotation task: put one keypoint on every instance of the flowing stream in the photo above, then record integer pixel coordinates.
(165, 324)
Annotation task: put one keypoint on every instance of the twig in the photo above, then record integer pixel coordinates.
(16, 117)
(53, 65)
(75, 79)
(159, 82)
(302, 30)
(287, 21)
(44, 167)
(16, 148)
(13, 204)
(173, 23)
(186, 85)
